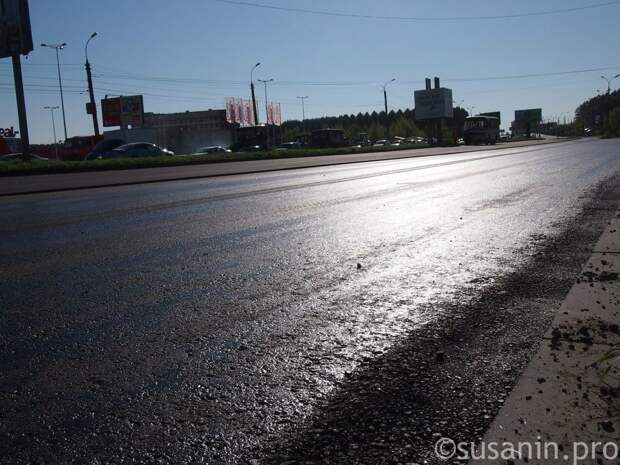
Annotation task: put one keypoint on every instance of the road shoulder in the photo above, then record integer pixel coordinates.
(562, 397)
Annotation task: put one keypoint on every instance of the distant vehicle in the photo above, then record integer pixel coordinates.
(362, 140)
(381, 143)
(18, 156)
(290, 146)
(481, 130)
(211, 149)
(415, 140)
(250, 148)
(78, 148)
(141, 149)
(105, 149)
(328, 138)
(4, 147)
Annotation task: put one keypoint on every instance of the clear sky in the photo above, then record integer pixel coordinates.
(192, 54)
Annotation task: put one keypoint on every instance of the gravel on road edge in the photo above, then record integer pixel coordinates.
(449, 378)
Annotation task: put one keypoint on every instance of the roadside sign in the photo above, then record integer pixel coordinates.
(8, 132)
(433, 104)
(532, 115)
(15, 32)
(123, 111)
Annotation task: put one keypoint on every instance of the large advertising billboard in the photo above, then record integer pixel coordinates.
(15, 32)
(433, 104)
(532, 115)
(123, 111)
(240, 111)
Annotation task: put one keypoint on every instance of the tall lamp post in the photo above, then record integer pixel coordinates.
(265, 82)
(59, 47)
(253, 95)
(303, 113)
(387, 120)
(609, 82)
(93, 106)
(51, 109)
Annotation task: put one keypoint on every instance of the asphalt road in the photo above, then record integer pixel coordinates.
(199, 321)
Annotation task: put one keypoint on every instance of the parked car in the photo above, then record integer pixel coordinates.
(381, 143)
(211, 149)
(105, 149)
(290, 146)
(18, 156)
(250, 148)
(141, 149)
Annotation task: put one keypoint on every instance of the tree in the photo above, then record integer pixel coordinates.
(376, 131)
(614, 121)
(404, 127)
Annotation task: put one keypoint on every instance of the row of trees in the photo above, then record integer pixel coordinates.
(601, 114)
(402, 123)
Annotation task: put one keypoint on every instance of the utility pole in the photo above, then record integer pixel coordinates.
(59, 47)
(387, 119)
(51, 109)
(303, 113)
(21, 106)
(609, 82)
(253, 95)
(93, 106)
(265, 82)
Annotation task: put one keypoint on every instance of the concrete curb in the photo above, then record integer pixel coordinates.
(59, 182)
(562, 398)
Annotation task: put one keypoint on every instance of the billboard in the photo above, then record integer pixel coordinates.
(532, 115)
(239, 111)
(15, 32)
(274, 114)
(8, 132)
(433, 104)
(123, 111)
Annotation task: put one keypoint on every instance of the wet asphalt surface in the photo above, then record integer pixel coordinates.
(345, 314)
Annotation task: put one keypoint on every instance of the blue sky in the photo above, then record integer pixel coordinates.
(205, 49)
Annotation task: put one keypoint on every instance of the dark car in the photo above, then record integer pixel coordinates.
(212, 149)
(105, 149)
(140, 149)
(250, 148)
(290, 146)
(18, 156)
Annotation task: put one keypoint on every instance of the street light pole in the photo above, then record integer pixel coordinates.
(265, 82)
(253, 95)
(59, 47)
(91, 92)
(51, 109)
(387, 120)
(609, 82)
(303, 112)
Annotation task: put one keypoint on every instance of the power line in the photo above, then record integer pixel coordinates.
(417, 18)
